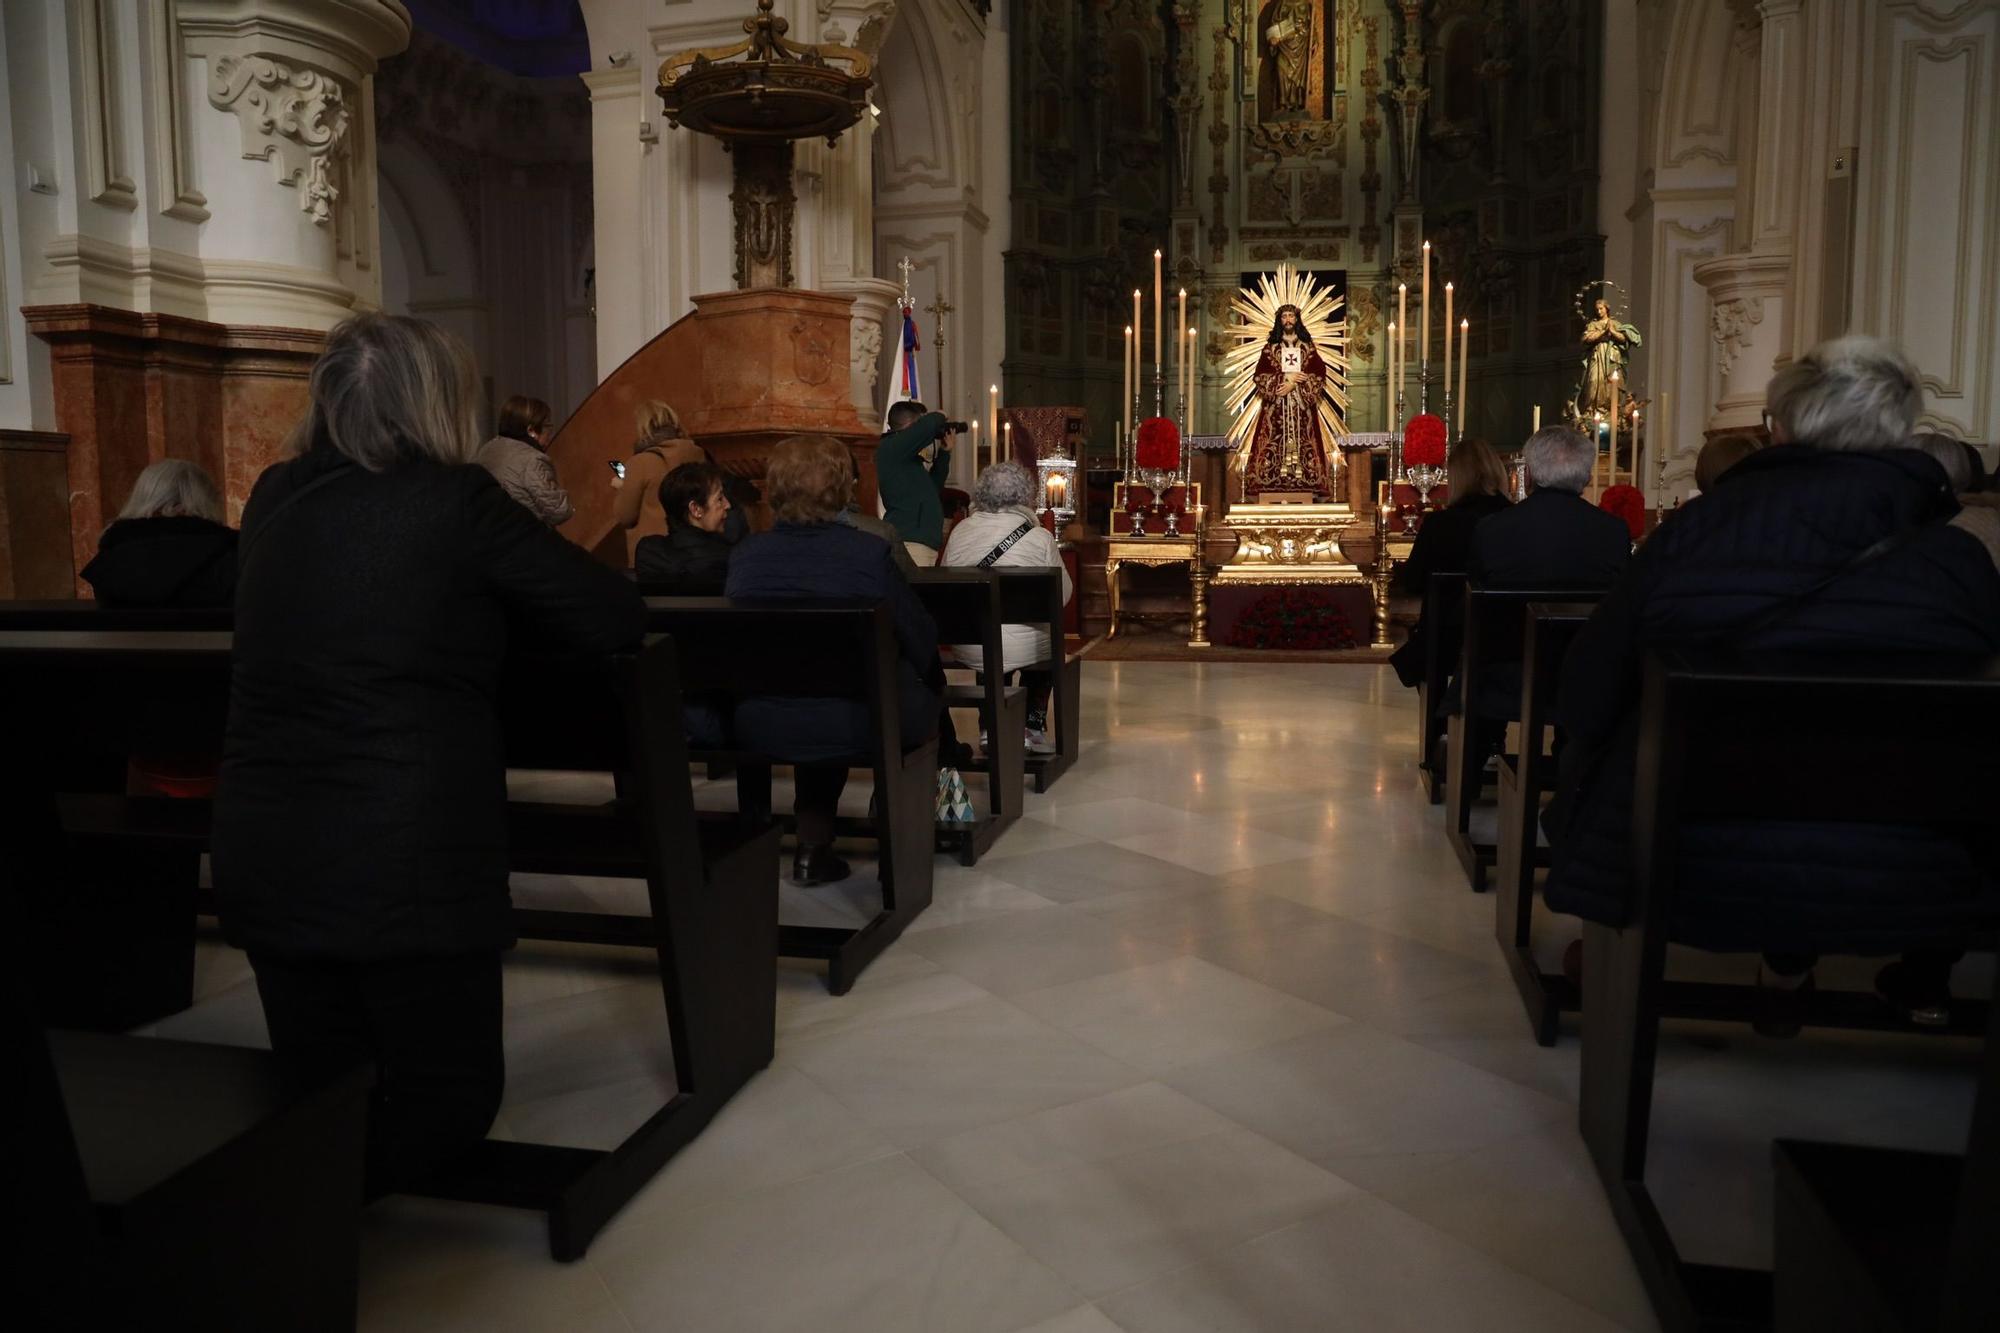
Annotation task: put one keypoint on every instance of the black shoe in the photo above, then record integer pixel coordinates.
(814, 866)
(1924, 1000)
(1782, 1002)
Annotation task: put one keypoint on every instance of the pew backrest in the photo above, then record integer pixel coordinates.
(1034, 597)
(1911, 742)
(966, 605)
(800, 650)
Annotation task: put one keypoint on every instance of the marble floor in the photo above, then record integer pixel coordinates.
(1217, 1038)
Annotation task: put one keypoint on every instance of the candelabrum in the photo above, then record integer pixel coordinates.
(1449, 433)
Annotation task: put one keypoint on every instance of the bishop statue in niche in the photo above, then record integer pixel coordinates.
(1288, 45)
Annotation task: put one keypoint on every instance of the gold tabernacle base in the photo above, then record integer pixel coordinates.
(1288, 543)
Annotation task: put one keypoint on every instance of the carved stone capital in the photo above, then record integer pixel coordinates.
(292, 72)
(1732, 324)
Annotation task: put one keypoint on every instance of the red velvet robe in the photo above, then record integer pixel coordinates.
(1288, 449)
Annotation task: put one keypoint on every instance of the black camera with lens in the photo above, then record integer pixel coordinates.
(957, 427)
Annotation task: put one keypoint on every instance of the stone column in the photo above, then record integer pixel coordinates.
(837, 209)
(206, 211)
(1751, 292)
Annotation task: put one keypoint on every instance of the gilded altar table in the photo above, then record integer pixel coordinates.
(1140, 537)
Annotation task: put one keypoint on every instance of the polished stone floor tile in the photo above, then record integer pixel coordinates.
(916, 1080)
(880, 1247)
(1360, 1265)
(1177, 1012)
(1123, 1219)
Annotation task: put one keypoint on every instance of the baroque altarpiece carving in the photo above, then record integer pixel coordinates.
(1334, 135)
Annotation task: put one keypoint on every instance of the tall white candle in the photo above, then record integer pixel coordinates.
(1447, 352)
(1464, 332)
(1159, 310)
(1193, 379)
(1125, 403)
(1538, 418)
(1614, 427)
(1403, 325)
(1007, 434)
(1424, 332)
(978, 460)
(992, 416)
(1180, 352)
(1389, 386)
(1138, 332)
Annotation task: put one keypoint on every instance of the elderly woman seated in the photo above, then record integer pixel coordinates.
(1003, 530)
(169, 545)
(811, 556)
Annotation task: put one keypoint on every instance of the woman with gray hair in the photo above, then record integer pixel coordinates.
(168, 545)
(1004, 530)
(360, 848)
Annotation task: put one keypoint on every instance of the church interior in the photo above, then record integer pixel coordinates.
(1489, 516)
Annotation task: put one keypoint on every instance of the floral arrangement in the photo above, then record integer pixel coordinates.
(1295, 618)
(1424, 441)
(1159, 445)
(1628, 503)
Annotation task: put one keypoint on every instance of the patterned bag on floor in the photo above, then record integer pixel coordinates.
(954, 803)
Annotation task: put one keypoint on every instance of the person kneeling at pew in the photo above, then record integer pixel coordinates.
(360, 847)
(1837, 541)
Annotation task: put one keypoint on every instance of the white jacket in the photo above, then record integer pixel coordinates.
(976, 534)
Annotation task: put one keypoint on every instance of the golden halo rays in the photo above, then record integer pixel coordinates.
(1322, 314)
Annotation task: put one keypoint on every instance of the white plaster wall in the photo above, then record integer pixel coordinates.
(1927, 253)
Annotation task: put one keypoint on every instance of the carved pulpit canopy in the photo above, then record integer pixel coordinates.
(766, 87)
(758, 96)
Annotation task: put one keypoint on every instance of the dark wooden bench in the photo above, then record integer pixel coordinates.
(1444, 604)
(730, 652)
(1726, 742)
(1525, 777)
(1490, 652)
(965, 603)
(1034, 597)
(169, 1184)
(713, 918)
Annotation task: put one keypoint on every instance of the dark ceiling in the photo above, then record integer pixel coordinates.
(537, 38)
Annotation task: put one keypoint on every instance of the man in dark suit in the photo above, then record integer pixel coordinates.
(1555, 538)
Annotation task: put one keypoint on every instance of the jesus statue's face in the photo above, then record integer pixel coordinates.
(1288, 320)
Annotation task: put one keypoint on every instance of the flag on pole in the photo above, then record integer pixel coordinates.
(911, 391)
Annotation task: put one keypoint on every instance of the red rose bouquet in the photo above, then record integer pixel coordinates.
(1423, 441)
(1159, 446)
(1628, 503)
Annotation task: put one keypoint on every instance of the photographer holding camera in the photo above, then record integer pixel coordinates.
(911, 490)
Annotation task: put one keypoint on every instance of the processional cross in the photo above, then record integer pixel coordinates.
(940, 308)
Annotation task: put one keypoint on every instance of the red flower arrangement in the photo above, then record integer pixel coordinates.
(1159, 446)
(1295, 618)
(1628, 503)
(1424, 441)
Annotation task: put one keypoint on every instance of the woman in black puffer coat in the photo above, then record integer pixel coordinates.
(1844, 546)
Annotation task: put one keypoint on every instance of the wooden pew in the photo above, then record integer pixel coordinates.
(1525, 778)
(1444, 604)
(730, 652)
(1495, 619)
(1034, 597)
(170, 1184)
(1725, 742)
(712, 923)
(965, 603)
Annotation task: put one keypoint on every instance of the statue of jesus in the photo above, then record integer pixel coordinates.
(1289, 38)
(1289, 451)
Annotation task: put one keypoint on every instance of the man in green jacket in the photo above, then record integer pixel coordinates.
(912, 491)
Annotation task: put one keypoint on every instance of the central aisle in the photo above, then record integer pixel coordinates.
(1217, 1038)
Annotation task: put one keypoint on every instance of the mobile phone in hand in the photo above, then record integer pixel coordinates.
(617, 469)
